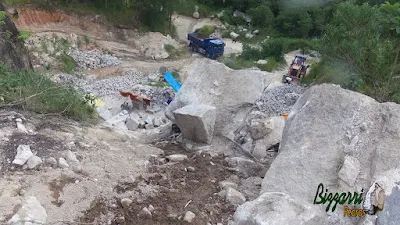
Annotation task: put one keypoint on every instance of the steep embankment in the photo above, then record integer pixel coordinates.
(12, 49)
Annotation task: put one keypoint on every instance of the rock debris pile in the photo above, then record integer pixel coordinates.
(93, 59)
(280, 99)
(110, 86)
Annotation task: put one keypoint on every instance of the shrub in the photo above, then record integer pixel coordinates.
(272, 64)
(172, 51)
(68, 63)
(33, 91)
(294, 23)
(261, 16)
(251, 53)
(24, 35)
(226, 34)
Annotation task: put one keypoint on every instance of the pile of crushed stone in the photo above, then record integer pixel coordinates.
(280, 99)
(93, 59)
(110, 86)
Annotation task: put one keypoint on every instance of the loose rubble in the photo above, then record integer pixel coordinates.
(93, 59)
(23, 154)
(279, 100)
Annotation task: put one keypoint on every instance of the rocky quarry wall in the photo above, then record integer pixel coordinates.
(342, 139)
(232, 92)
(12, 50)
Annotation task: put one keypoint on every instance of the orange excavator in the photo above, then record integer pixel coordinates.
(137, 100)
(297, 69)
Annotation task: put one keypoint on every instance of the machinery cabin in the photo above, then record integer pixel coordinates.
(298, 68)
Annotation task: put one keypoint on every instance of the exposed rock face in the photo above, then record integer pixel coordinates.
(12, 50)
(232, 92)
(31, 212)
(319, 134)
(278, 209)
(196, 122)
(390, 214)
(329, 132)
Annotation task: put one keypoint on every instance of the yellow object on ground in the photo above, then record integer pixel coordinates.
(91, 99)
(285, 115)
(99, 103)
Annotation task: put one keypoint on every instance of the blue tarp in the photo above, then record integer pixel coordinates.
(172, 81)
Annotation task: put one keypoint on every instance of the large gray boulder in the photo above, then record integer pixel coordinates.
(232, 92)
(12, 50)
(326, 124)
(329, 132)
(277, 209)
(196, 122)
(390, 214)
(31, 212)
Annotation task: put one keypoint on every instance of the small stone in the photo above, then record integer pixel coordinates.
(21, 192)
(124, 112)
(18, 120)
(177, 158)
(221, 194)
(224, 185)
(189, 216)
(151, 208)
(145, 213)
(234, 197)
(71, 157)
(62, 163)
(120, 220)
(33, 162)
(172, 216)
(21, 128)
(23, 154)
(126, 202)
(132, 123)
(149, 126)
(149, 120)
(191, 169)
(157, 122)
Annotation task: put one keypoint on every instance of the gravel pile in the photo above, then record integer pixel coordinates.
(93, 59)
(130, 81)
(111, 85)
(279, 99)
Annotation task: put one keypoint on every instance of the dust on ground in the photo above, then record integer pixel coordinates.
(179, 191)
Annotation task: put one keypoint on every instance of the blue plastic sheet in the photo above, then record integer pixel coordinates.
(172, 81)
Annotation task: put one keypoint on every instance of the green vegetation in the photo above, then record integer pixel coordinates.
(24, 35)
(173, 52)
(33, 91)
(275, 48)
(369, 62)
(68, 63)
(206, 31)
(262, 16)
(236, 62)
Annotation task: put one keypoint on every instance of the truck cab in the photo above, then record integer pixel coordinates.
(210, 47)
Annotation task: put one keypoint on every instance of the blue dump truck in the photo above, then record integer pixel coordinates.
(211, 47)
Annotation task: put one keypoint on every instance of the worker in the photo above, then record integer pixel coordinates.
(288, 80)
